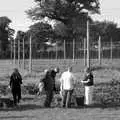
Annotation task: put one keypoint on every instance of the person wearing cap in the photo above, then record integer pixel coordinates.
(49, 85)
(15, 85)
(67, 86)
(88, 83)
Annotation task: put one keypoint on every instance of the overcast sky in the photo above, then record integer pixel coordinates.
(14, 9)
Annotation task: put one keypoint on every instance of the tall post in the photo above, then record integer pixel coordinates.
(73, 50)
(88, 44)
(23, 53)
(56, 50)
(64, 50)
(18, 53)
(84, 51)
(30, 55)
(11, 45)
(14, 53)
(99, 50)
(111, 50)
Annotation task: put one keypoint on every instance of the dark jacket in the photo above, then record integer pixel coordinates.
(15, 80)
(90, 77)
(49, 80)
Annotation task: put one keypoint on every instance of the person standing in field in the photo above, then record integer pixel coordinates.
(15, 85)
(67, 81)
(49, 85)
(88, 83)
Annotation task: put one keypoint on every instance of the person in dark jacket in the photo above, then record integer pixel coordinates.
(88, 82)
(49, 85)
(15, 85)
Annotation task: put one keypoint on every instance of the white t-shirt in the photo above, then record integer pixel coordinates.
(67, 81)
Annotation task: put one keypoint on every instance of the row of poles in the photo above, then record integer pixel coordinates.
(86, 51)
(13, 49)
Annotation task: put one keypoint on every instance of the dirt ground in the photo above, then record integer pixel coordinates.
(35, 112)
(31, 108)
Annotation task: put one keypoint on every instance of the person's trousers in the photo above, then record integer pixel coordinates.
(16, 92)
(66, 101)
(88, 95)
(48, 99)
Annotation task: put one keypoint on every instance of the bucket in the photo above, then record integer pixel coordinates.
(80, 100)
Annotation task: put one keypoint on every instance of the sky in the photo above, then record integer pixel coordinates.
(15, 10)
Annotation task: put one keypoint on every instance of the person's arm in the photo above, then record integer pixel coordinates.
(20, 78)
(61, 83)
(11, 78)
(86, 79)
(74, 80)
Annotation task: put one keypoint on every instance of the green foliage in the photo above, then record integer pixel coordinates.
(105, 29)
(40, 32)
(62, 10)
(68, 12)
(6, 34)
(105, 94)
(20, 35)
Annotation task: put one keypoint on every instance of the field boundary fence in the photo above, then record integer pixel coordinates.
(100, 52)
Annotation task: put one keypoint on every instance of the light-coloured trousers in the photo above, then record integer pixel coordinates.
(88, 95)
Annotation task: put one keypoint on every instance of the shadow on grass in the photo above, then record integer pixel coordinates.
(101, 106)
(22, 107)
(15, 117)
(26, 107)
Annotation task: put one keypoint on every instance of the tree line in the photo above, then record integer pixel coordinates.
(56, 21)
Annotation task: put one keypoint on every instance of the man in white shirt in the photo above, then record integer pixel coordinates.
(67, 86)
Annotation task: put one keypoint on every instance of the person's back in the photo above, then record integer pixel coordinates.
(15, 79)
(67, 87)
(50, 79)
(15, 84)
(68, 80)
(49, 85)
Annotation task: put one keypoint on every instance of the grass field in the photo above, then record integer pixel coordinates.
(106, 93)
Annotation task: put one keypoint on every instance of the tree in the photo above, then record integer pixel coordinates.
(65, 11)
(62, 10)
(20, 35)
(6, 34)
(105, 29)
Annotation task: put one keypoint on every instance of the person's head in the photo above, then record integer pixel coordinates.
(56, 70)
(70, 69)
(88, 70)
(15, 70)
(46, 70)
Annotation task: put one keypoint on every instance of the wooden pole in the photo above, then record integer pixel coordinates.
(84, 51)
(111, 50)
(30, 55)
(56, 50)
(11, 45)
(18, 53)
(99, 50)
(88, 45)
(23, 53)
(14, 53)
(64, 50)
(73, 50)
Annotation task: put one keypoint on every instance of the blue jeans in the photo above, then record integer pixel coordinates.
(66, 102)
